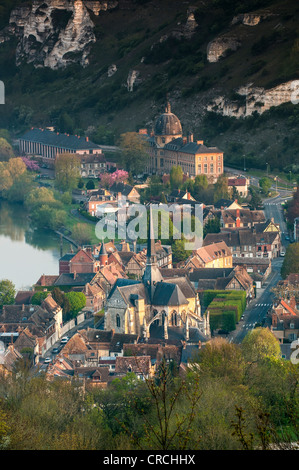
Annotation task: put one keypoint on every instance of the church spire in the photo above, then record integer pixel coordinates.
(151, 249)
(152, 273)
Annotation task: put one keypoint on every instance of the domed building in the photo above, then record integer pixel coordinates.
(168, 148)
(168, 127)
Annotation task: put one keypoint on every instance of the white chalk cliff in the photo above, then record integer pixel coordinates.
(255, 99)
(54, 33)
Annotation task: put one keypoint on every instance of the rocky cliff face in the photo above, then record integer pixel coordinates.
(255, 99)
(219, 47)
(54, 33)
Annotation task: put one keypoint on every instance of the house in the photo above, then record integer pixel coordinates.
(97, 199)
(179, 196)
(222, 279)
(240, 183)
(157, 352)
(284, 320)
(248, 243)
(215, 255)
(138, 365)
(258, 268)
(126, 191)
(92, 165)
(8, 359)
(43, 321)
(236, 217)
(80, 262)
(93, 376)
(26, 341)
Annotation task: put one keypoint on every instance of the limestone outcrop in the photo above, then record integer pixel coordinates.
(220, 46)
(255, 99)
(54, 33)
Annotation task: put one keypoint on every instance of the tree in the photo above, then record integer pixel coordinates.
(10, 171)
(179, 252)
(77, 302)
(221, 188)
(6, 180)
(259, 344)
(40, 196)
(201, 181)
(291, 260)
(67, 171)
(212, 226)
(176, 177)
(39, 297)
(7, 292)
(90, 184)
(265, 184)
(221, 359)
(255, 200)
(20, 188)
(134, 152)
(81, 233)
(6, 151)
(81, 183)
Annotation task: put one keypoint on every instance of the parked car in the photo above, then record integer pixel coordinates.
(48, 360)
(64, 340)
(282, 253)
(55, 350)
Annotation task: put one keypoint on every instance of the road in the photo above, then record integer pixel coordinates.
(258, 308)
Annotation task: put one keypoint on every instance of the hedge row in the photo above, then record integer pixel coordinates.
(222, 319)
(225, 308)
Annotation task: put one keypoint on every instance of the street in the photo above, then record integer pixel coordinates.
(257, 310)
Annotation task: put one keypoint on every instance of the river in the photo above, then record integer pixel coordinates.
(25, 253)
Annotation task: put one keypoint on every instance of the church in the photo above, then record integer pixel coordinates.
(168, 148)
(135, 307)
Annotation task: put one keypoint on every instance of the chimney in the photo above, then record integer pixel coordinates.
(113, 332)
(238, 221)
(292, 302)
(23, 307)
(188, 196)
(75, 275)
(87, 139)
(190, 137)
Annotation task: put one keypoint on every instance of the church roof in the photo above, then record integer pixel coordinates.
(169, 295)
(168, 123)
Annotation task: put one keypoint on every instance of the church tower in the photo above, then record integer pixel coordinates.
(152, 273)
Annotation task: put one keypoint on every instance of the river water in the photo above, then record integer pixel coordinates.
(25, 253)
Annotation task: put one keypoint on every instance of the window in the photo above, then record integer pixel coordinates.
(205, 168)
(118, 321)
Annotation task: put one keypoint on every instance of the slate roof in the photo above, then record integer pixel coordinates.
(124, 189)
(192, 148)
(209, 273)
(167, 294)
(54, 139)
(69, 279)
